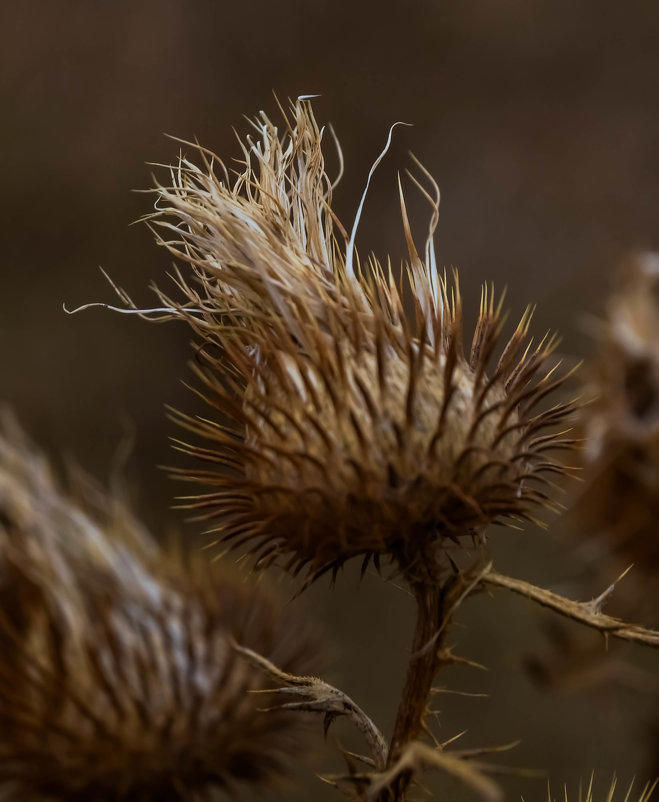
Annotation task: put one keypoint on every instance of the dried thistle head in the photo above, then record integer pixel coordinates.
(344, 428)
(119, 677)
(620, 502)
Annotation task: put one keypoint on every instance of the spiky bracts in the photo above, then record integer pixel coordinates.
(118, 677)
(587, 793)
(344, 429)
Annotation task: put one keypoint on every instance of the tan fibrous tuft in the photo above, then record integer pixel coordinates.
(619, 504)
(119, 682)
(342, 427)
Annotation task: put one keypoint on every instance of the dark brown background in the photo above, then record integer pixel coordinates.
(537, 117)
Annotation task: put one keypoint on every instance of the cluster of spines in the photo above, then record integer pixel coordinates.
(387, 336)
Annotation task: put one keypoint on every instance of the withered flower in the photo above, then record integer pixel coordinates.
(119, 681)
(619, 504)
(343, 428)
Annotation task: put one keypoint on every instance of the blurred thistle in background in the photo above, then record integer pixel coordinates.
(619, 504)
(617, 509)
(119, 677)
(614, 513)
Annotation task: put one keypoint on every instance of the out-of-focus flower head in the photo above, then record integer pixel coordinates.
(620, 501)
(119, 681)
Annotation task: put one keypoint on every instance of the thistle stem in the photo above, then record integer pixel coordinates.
(421, 670)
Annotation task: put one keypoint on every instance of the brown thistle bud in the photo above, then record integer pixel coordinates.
(119, 680)
(620, 500)
(344, 429)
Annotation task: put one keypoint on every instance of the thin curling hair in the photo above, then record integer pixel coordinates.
(120, 682)
(341, 427)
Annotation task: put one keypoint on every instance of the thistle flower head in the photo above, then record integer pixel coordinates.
(344, 428)
(620, 503)
(628, 370)
(119, 677)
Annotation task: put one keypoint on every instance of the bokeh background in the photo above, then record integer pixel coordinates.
(539, 120)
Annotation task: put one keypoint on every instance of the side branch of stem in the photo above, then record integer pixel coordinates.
(587, 613)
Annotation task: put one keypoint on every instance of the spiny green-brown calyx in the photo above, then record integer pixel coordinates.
(344, 428)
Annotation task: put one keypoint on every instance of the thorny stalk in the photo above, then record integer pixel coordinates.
(435, 606)
(421, 670)
(588, 613)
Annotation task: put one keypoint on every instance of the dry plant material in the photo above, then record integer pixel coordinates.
(589, 613)
(119, 680)
(316, 696)
(619, 505)
(342, 429)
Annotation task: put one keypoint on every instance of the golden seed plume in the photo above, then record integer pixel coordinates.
(119, 681)
(341, 427)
